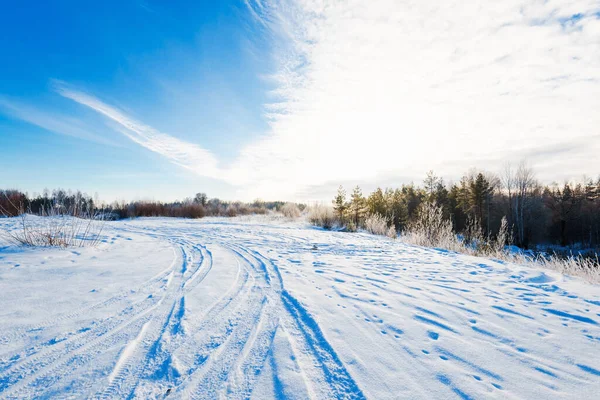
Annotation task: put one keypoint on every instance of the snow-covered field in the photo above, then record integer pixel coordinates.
(208, 309)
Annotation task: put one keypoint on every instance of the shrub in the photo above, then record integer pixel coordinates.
(351, 226)
(217, 208)
(473, 234)
(431, 229)
(498, 245)
(12, 203)
(232, 211)
(376, 224)
(321, 215)
(290, 210)
(391, 232)
(188, 210)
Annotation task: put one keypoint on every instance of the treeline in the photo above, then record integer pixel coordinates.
(198, 207)
(59, 201)
(565, 214)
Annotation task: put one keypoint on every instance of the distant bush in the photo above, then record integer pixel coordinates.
(107, 216)
(376, 224)
(189, 210)
(232, 211)
(321, 215)
(12, 203)
(186, 209)
(290, 210)
(75, 203)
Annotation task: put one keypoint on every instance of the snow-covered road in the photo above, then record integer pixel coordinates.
(169, 308)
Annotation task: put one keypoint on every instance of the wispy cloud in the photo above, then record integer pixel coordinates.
(267, 167)
(51, 121)
(184, 154)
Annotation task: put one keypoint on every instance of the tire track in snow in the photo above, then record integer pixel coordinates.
(337, 377)
(254, 354)
(150, 286)
(228, 319)
(49, 355)
(239, 331)
(211, 377)
(221, 352)
(163, 322)
(204, 332)
(83, 348)
(307, 334)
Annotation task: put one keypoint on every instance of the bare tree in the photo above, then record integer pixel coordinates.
(519, 185)
(524, 183)
(201, 199)
(508, 184)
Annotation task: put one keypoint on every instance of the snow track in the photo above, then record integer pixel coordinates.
(240, 311)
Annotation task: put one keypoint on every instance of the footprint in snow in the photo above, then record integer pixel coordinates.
(433, 335)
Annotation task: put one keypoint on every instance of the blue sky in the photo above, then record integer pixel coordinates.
(286, 99)
(195, 70)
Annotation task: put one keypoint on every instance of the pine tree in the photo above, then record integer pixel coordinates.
(357, 205)
(565, 206)
(339, 203)
(457, 212)
(480, 191)
(413, 198)
(431, 183)
(591, 190)
(376, 203)
(397, 208)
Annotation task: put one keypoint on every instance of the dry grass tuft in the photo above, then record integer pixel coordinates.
(56, 228)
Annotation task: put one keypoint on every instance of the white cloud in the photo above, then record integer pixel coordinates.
(372, 88)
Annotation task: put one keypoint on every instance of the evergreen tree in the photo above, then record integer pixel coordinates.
(376, 203)
(357, 205)
(339, 203)
(396, 208)
(480, 191)
(431, 184)
(457, 212)
(413, 197)
(565, 206)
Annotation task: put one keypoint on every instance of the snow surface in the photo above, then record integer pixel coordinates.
(216, 308)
